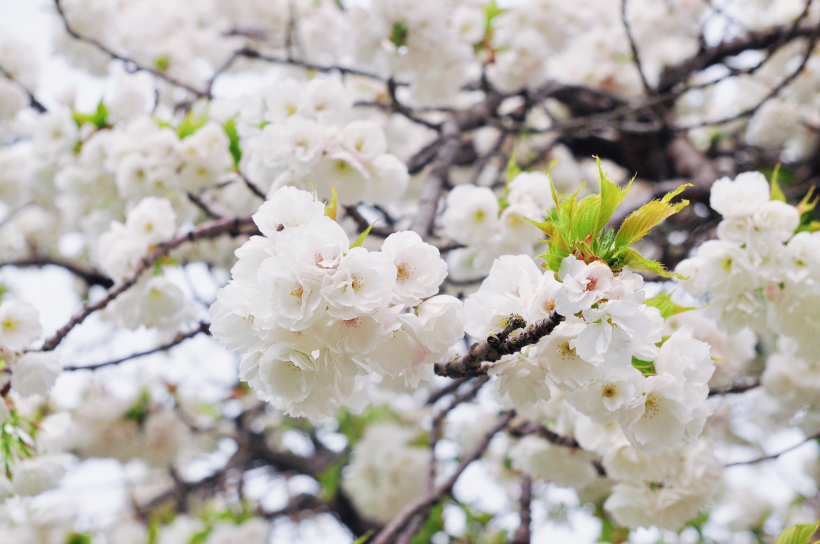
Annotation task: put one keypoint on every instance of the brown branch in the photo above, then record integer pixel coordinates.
(252, 54)
(446, 390)
(815, 436)
(88, 275)
(203, 328)
(523, 535)
(199, 203)
(740, 387)
(361, 222)
(254, 188)
(236, 226)
(438, 421)
(398, 107)
(433, 186)
(635, 57)
(387, 535)
(528, 427)
(762, 39)
(130, 63)
(772, 94)
(33, 102)
(495, 348)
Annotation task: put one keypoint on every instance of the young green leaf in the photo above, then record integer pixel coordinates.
(777, 192)
(641, 221)
(611, 198)
(333, 207)
(190, 124)
(636, 261)
(798, 534)
(663, 302)
(512, 167)
(360, 240)
(233, 138)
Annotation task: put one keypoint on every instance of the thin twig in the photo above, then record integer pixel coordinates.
(33, 102)
(739, 387)
(233, 226)
(815, 436)
(128, 61)
(199, 203)
(635, 57)
(88, 275)
(438, 421)
(203, 328)
(772, 94)
(395, 525)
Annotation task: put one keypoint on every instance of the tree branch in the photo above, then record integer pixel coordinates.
(234, 227)
(88, 275)
(128, 61)
(815, 436)
(389, 532)
(33, 102)
(203, 328)
(635, 57)
(523, 535)
(495, 348)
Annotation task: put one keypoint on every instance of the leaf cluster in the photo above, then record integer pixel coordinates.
(580, 228)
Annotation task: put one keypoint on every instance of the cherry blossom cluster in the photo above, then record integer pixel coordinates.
(314, 316)
(301, 133)
(763, 270)
(474, 217)
(594, 356)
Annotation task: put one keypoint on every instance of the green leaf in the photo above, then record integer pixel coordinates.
(512, 167)
(332, 208)
(491, 10)
(640, 222)
(433, 525)
(807, 204)
(162, 63)
(545, 226)
(362, 539)
(78, 538)
(233, 137)
(799, 534)
(190, 124)
(611, 198)
(330, 479)
(399, 34)
(638, 262)
(663, 302)
(586, 217)
(647, 368)
(777, 192)
(99, 118)
(360, 240)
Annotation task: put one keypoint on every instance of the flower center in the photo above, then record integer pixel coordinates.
(10, 325)
(609, 390)
(404, 272)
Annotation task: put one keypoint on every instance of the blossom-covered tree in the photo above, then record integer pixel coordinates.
(405, 272)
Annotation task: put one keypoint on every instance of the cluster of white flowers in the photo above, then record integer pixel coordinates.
(301, 134)
(590, 355)
(665, 491)
(134, 427)
(759, 272)
(474, 217)
(33, 373)
(312, 315)
(384, 472)
(425, 41)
